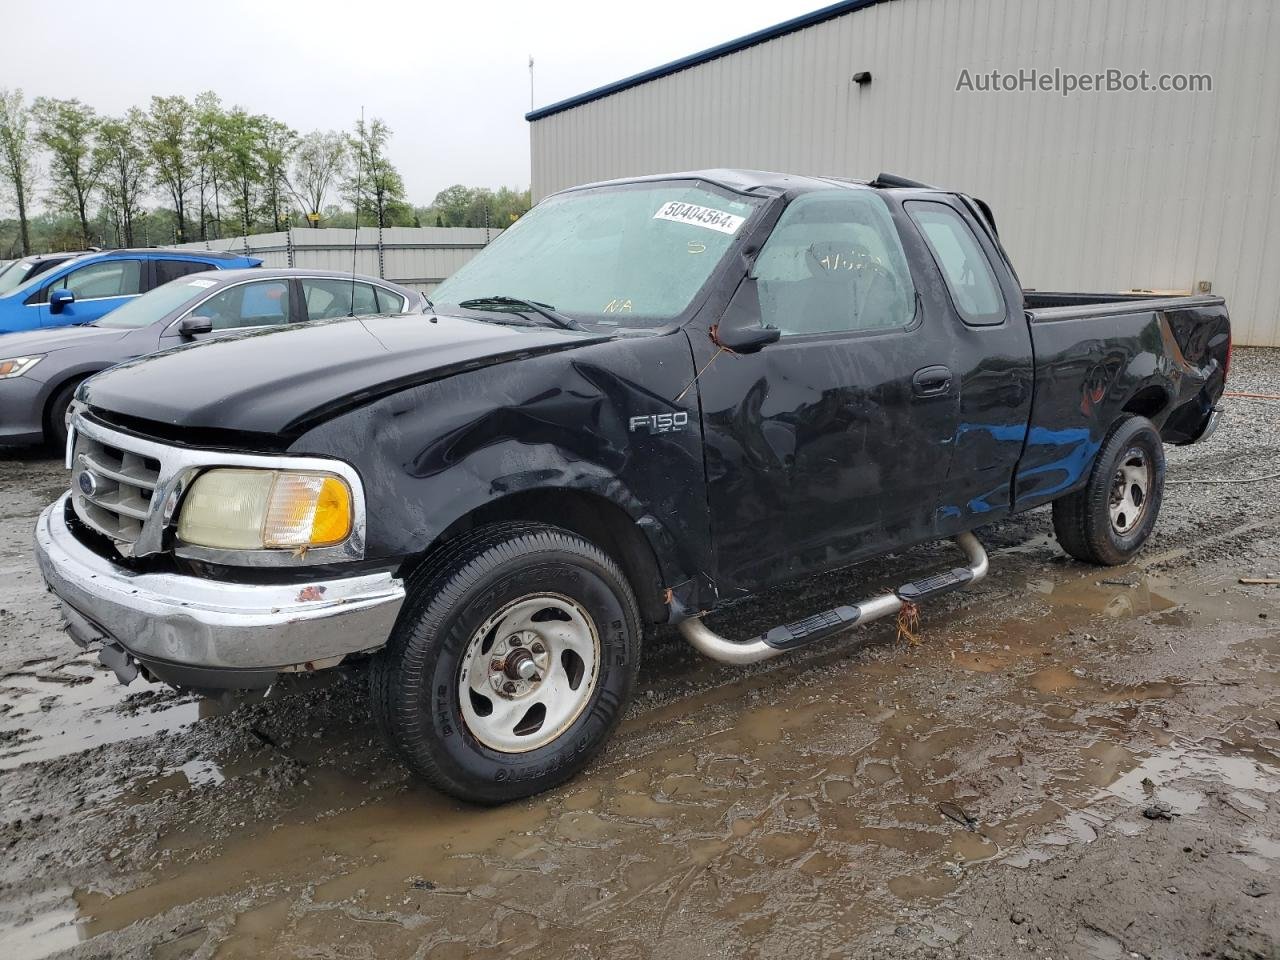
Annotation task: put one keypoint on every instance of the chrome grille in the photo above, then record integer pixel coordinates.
(112, 486)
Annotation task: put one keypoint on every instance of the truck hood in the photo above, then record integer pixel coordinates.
(31, 342)
(284, 380)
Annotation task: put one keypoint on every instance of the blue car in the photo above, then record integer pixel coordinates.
(89, 287)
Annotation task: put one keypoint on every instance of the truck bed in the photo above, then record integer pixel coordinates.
(1045, 305)
(1100, 354)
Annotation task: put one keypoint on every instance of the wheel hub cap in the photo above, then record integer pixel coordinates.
(528, 672)
(1129, 489)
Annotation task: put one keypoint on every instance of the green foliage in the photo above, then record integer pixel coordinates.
(319, 161)
(68, 129)
(374, 187)
(216, 171)
(460, 206)
(122, 155)
(276, 146)
(17, 158)
(169, 130)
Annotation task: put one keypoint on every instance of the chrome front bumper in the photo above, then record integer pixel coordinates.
(215, 627)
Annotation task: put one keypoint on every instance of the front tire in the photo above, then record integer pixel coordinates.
(511, 664)
(1109, 519)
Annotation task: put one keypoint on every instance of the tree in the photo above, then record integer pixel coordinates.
(66, 129)
(241, 138)
(123, 156)
(319, 161)
(451, 205)
(376, 188)
(460, 206)
(169, 129)
(206, 135)
(17, 157)
(277, 146)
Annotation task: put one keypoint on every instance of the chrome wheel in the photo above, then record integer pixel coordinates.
(1129, 491)
(528, 672)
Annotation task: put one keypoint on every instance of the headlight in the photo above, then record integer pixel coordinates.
(17, 366)
(232, 509)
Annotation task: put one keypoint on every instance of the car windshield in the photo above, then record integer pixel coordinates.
(147, 309)
(632, 255)
(13, 275)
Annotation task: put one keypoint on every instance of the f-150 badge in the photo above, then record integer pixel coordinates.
(660, 422)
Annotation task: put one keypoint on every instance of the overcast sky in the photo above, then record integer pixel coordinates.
(452, 80)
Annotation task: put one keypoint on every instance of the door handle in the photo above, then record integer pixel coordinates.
(931, 381)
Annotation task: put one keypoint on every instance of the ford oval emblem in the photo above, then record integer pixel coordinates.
(87, 482)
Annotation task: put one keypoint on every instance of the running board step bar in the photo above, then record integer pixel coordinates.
(790, 636)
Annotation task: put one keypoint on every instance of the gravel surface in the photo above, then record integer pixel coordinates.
(1072, 762)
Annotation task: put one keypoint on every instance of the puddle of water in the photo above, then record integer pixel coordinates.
(1159, 778)
(1123, 595)
(50, 922)
(1176, 764)
(49, 719)
(1260, 852)
(81, 705)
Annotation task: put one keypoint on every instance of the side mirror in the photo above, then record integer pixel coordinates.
(742, 329)
(58, 299)
(193, 326)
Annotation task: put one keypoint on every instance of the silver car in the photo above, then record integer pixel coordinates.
(40, 369)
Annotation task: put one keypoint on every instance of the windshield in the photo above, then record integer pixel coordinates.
(12, 275)
(147, 309)
(627, 256)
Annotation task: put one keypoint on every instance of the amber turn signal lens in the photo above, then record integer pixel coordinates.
(266, 509)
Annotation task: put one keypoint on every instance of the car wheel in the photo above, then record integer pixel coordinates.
(511, 663)
(1108, 520)
(55, 425)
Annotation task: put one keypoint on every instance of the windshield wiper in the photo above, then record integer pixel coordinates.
(508, 303)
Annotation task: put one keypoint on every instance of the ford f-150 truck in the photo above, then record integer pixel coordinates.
(647, 399)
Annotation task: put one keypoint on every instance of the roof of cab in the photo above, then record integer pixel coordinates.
(761, 182)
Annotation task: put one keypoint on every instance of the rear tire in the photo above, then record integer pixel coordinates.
(512, 662)
(1109, 519)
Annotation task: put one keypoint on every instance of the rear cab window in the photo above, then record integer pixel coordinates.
(964, 266)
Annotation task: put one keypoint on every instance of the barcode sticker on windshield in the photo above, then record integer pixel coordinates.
(201, 283)
(700, 216)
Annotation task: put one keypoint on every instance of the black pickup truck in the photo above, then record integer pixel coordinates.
(648, 398)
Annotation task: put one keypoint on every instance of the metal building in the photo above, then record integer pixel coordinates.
(1092, 190)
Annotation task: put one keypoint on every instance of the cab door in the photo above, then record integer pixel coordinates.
(992, 358)
(834, 442)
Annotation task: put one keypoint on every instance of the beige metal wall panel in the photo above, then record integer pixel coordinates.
(1096, 191)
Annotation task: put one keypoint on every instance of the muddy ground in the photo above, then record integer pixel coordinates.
(1072, 762)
